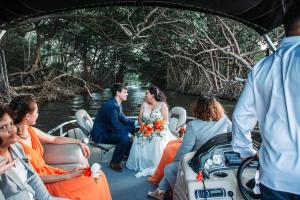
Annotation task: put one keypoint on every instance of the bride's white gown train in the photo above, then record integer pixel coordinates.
(145, 155)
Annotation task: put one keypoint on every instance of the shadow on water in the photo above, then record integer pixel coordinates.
(54, 113)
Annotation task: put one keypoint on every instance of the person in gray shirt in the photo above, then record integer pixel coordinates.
(4, 166)
(210, 121)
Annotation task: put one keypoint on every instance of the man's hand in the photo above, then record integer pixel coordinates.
(4, 165)
(85, 150)
(256, 155)
(131, 138)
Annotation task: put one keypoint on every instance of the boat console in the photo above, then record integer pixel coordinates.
(219, 165)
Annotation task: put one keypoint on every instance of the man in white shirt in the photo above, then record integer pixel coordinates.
(272, 97)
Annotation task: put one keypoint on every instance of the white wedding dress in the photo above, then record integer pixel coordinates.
(145, 155)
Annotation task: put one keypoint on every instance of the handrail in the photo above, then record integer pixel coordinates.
(61, 126)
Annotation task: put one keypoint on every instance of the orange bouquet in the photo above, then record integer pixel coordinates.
(158, 125)
(146, 130)
(152, 128)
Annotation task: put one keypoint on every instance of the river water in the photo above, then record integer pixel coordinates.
(54, 113)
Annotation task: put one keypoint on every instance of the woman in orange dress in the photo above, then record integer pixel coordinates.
(168, 156)
(69, 184)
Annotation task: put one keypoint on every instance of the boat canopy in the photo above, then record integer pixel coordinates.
(261, 15)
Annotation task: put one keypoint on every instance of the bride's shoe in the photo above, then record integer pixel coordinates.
(157, 194)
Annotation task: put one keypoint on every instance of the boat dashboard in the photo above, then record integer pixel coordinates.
(218, 165)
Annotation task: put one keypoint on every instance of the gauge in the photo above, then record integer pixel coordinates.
(206, 166)
(217, 159)
(209, 162)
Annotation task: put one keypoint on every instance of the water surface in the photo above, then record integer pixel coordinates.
(54, 113)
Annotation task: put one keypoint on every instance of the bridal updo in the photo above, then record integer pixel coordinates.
(157, 93)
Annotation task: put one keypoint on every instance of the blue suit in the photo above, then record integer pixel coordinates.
(111, 126)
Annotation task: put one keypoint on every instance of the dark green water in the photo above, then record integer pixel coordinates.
(55, 113)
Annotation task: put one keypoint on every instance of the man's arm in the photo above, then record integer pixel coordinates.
(125, 120)
(244, 120)
(115, 119)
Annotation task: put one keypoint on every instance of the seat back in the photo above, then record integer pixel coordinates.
(84, 121)
(177, 119)
(65, 156)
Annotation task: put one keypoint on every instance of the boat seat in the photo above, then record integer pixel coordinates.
(85, 123)
(177, 119)
(64, 156)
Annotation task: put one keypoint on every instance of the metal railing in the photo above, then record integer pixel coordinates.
(73, 123)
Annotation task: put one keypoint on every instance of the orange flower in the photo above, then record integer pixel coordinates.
(159, 125)
(149, 129)
(87, 171)
(199, 176)
(181, 131)
(142, 128)
(146, 130)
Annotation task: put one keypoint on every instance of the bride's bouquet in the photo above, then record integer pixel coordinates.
(150, 128)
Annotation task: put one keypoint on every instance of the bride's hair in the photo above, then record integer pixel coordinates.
(157, 93)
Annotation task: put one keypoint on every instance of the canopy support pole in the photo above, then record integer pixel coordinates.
(269, 42)
(2, 33)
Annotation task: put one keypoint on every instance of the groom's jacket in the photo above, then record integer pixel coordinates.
(110, 120)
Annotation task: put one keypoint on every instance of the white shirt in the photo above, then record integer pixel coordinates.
(272, 96)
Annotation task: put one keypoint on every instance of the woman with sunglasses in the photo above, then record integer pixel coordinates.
(18, 179)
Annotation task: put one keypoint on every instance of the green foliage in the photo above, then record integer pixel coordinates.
(102, 45)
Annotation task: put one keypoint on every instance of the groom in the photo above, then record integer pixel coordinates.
(111, 126)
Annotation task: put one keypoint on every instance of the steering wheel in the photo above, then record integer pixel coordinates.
(246, 190)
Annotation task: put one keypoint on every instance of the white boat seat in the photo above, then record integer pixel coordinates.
(85, 123)
(65, 156)
(177, 119)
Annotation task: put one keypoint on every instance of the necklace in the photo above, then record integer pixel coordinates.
(24, 137)
(22, 133)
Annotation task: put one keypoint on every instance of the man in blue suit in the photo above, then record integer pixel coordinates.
(111, 126)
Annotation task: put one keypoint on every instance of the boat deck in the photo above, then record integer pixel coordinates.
(123, 185)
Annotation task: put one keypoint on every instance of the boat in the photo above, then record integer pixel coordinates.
(225, 175)
(215, 162)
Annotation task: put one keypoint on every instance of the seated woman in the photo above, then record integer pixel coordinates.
(69, 184)
(153, 136)
(18, 179)
(210, 121)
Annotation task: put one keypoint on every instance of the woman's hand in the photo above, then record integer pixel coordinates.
(85, 150)
(4, 165)
(75, 172)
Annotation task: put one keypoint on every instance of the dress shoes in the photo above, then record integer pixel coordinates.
(116, 167)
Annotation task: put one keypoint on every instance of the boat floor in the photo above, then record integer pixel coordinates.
(123, 185)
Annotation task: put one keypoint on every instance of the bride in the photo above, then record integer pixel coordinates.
(153, 135)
